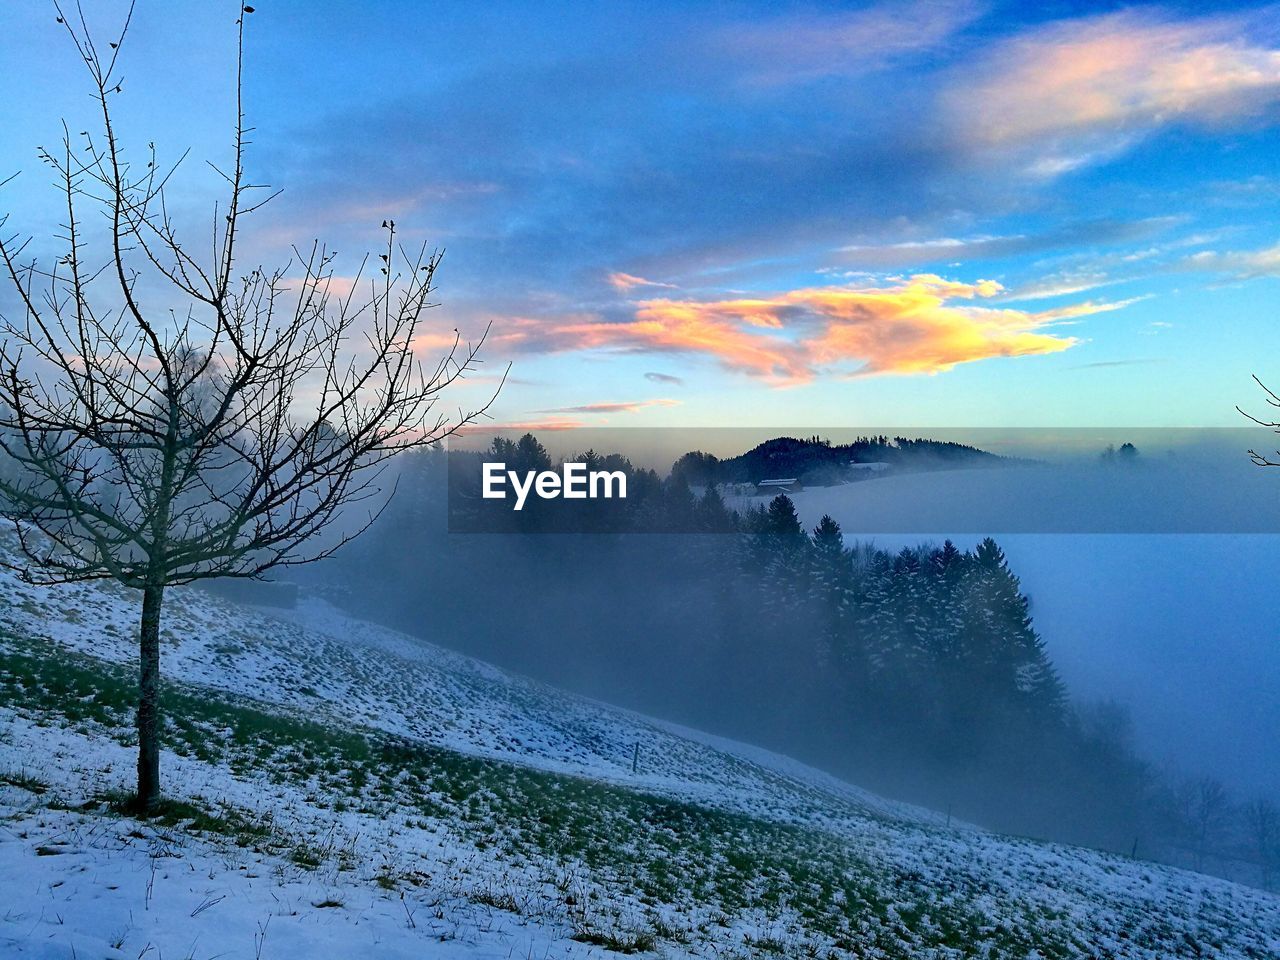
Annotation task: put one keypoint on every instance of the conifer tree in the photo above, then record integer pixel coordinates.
(830, 590)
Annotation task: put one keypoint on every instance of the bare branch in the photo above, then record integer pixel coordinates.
(223, 434)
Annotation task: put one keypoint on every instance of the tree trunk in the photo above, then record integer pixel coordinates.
(149, 700)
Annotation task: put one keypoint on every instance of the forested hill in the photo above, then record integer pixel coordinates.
(821, 461)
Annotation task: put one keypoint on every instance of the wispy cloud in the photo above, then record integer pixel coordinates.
(798, 48)
(619, 406)
(1073, 312)
(1080, 89)
(1240, 264)
(1102, 364)
(1064, 284)
(627, 281)
(931, 249)
(655, 377)
(1095, 233)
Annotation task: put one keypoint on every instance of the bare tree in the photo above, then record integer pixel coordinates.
(169, 418)
(1205, 809)
(1262, 832)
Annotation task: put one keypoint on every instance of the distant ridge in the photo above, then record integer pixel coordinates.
(817, 460)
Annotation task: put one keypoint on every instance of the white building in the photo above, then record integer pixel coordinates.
(867, 469)
(787, 485)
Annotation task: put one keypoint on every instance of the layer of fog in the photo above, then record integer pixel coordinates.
(1169, 495)
(1176, 624)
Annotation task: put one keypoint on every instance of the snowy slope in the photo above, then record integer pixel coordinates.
(367, 787)
(320, 660)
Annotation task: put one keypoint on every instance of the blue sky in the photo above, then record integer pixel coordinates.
(732, 214)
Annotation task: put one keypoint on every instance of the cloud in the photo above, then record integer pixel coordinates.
(717, 329)
(1079, 89)
(1135, 362)
(620, 406)
(664, 378)
(1241, 264)
(1062, 284)
(1093, 233)
(801, 48)
(931, 250)
(554, 164)
(923, 324)
(627, 281)
(1072, 312)
(577, 162)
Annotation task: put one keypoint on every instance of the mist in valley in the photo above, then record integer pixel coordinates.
(1147, 590)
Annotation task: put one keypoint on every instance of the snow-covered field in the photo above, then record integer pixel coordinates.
(341, 790)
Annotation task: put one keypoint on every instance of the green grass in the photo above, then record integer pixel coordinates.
(220, 818)
(24, 781)
(618, 942)
(641, 847)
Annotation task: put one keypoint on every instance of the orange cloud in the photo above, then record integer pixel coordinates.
(922, 324)
(716, 329)
(913, 329)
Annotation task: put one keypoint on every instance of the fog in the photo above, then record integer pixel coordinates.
(1181, 628)
(1149, 586)
(1155, 584)
(1174, 616)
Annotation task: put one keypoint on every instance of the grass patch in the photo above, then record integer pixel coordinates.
(638, 847)
(618, 941)
(24, 781)
(219, 818)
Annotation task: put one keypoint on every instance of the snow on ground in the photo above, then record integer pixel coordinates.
(317, 659)
(372, 789)
(100, 891)
(77, 884)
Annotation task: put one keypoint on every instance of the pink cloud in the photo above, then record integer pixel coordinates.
(620, 406)
(1081, 88)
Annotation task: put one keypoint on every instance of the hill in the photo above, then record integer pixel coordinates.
(816, 460)
(336, 786)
